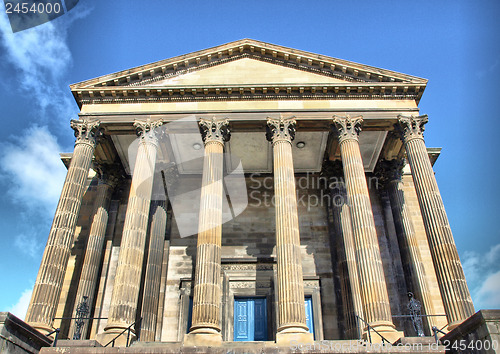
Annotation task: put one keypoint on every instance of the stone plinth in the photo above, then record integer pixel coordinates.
(483, 326)
(17, 337)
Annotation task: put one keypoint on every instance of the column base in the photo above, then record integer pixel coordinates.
(203, 339)
(386, 329)
(42, 328)
(292, 338)
(114, 332)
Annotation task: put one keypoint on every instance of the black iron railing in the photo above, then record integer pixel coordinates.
(370, 328)
(128, 329)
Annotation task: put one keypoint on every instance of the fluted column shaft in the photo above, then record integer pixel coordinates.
(408, 239)
(95, 243)
(126, 288)
(153, 271)
(374, 294)
(207, 293)
(454, 291)
(291, 308)
(49, 282)
(351, 290)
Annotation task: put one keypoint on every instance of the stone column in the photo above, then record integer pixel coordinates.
(123, 307)
(391, 173)
(352, 304)
(108, 178)
(454, 291)
(153, 270)
(207, 294)
(49, 282)
(374, 294)
(166, 176)
(291, 308)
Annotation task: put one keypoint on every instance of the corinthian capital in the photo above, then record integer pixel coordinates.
(214, 130)
(389, 170)
(145, 130)
(282, 129)
(346, 127)
(411, 127)
(110, 174)
(86, 132)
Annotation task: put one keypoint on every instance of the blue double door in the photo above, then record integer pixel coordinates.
(250, 318)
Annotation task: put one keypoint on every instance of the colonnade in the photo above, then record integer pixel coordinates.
(359, 234)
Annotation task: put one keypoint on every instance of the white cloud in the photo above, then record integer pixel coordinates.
(483, 276)
(488, 295)
(41, 56)
(34, 169)
(21, 307)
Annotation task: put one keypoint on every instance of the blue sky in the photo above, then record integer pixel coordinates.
(454, 44)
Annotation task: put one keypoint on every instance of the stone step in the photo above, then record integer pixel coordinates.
(326, 346)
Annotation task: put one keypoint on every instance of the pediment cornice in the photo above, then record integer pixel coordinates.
(359, 81)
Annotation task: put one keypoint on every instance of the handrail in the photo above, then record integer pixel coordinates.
(56, 331)
(370, 327)
(125, 330)
(436, 330)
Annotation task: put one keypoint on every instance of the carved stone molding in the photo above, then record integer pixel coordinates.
(247, 266)
(347, 128)
(214, 130)
(311, 283)
(147, 130)
(86, 132)
(411, 127)
(282, 129)
(250, 284)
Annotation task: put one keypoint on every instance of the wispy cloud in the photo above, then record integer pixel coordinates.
(483, 276)
(20, 308)
(32, 164)
(41, 56)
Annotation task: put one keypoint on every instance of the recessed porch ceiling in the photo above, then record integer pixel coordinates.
(252, 149)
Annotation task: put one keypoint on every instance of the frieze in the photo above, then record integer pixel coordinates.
(249, 285)
(311, 283)
(247, 267)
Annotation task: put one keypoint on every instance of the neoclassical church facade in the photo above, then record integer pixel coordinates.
(249, 192)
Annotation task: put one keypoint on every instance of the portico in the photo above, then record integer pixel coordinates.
(181, 253)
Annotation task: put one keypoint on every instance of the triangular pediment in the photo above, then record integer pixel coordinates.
(245, 71)
(248, 67)
(286, 58)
